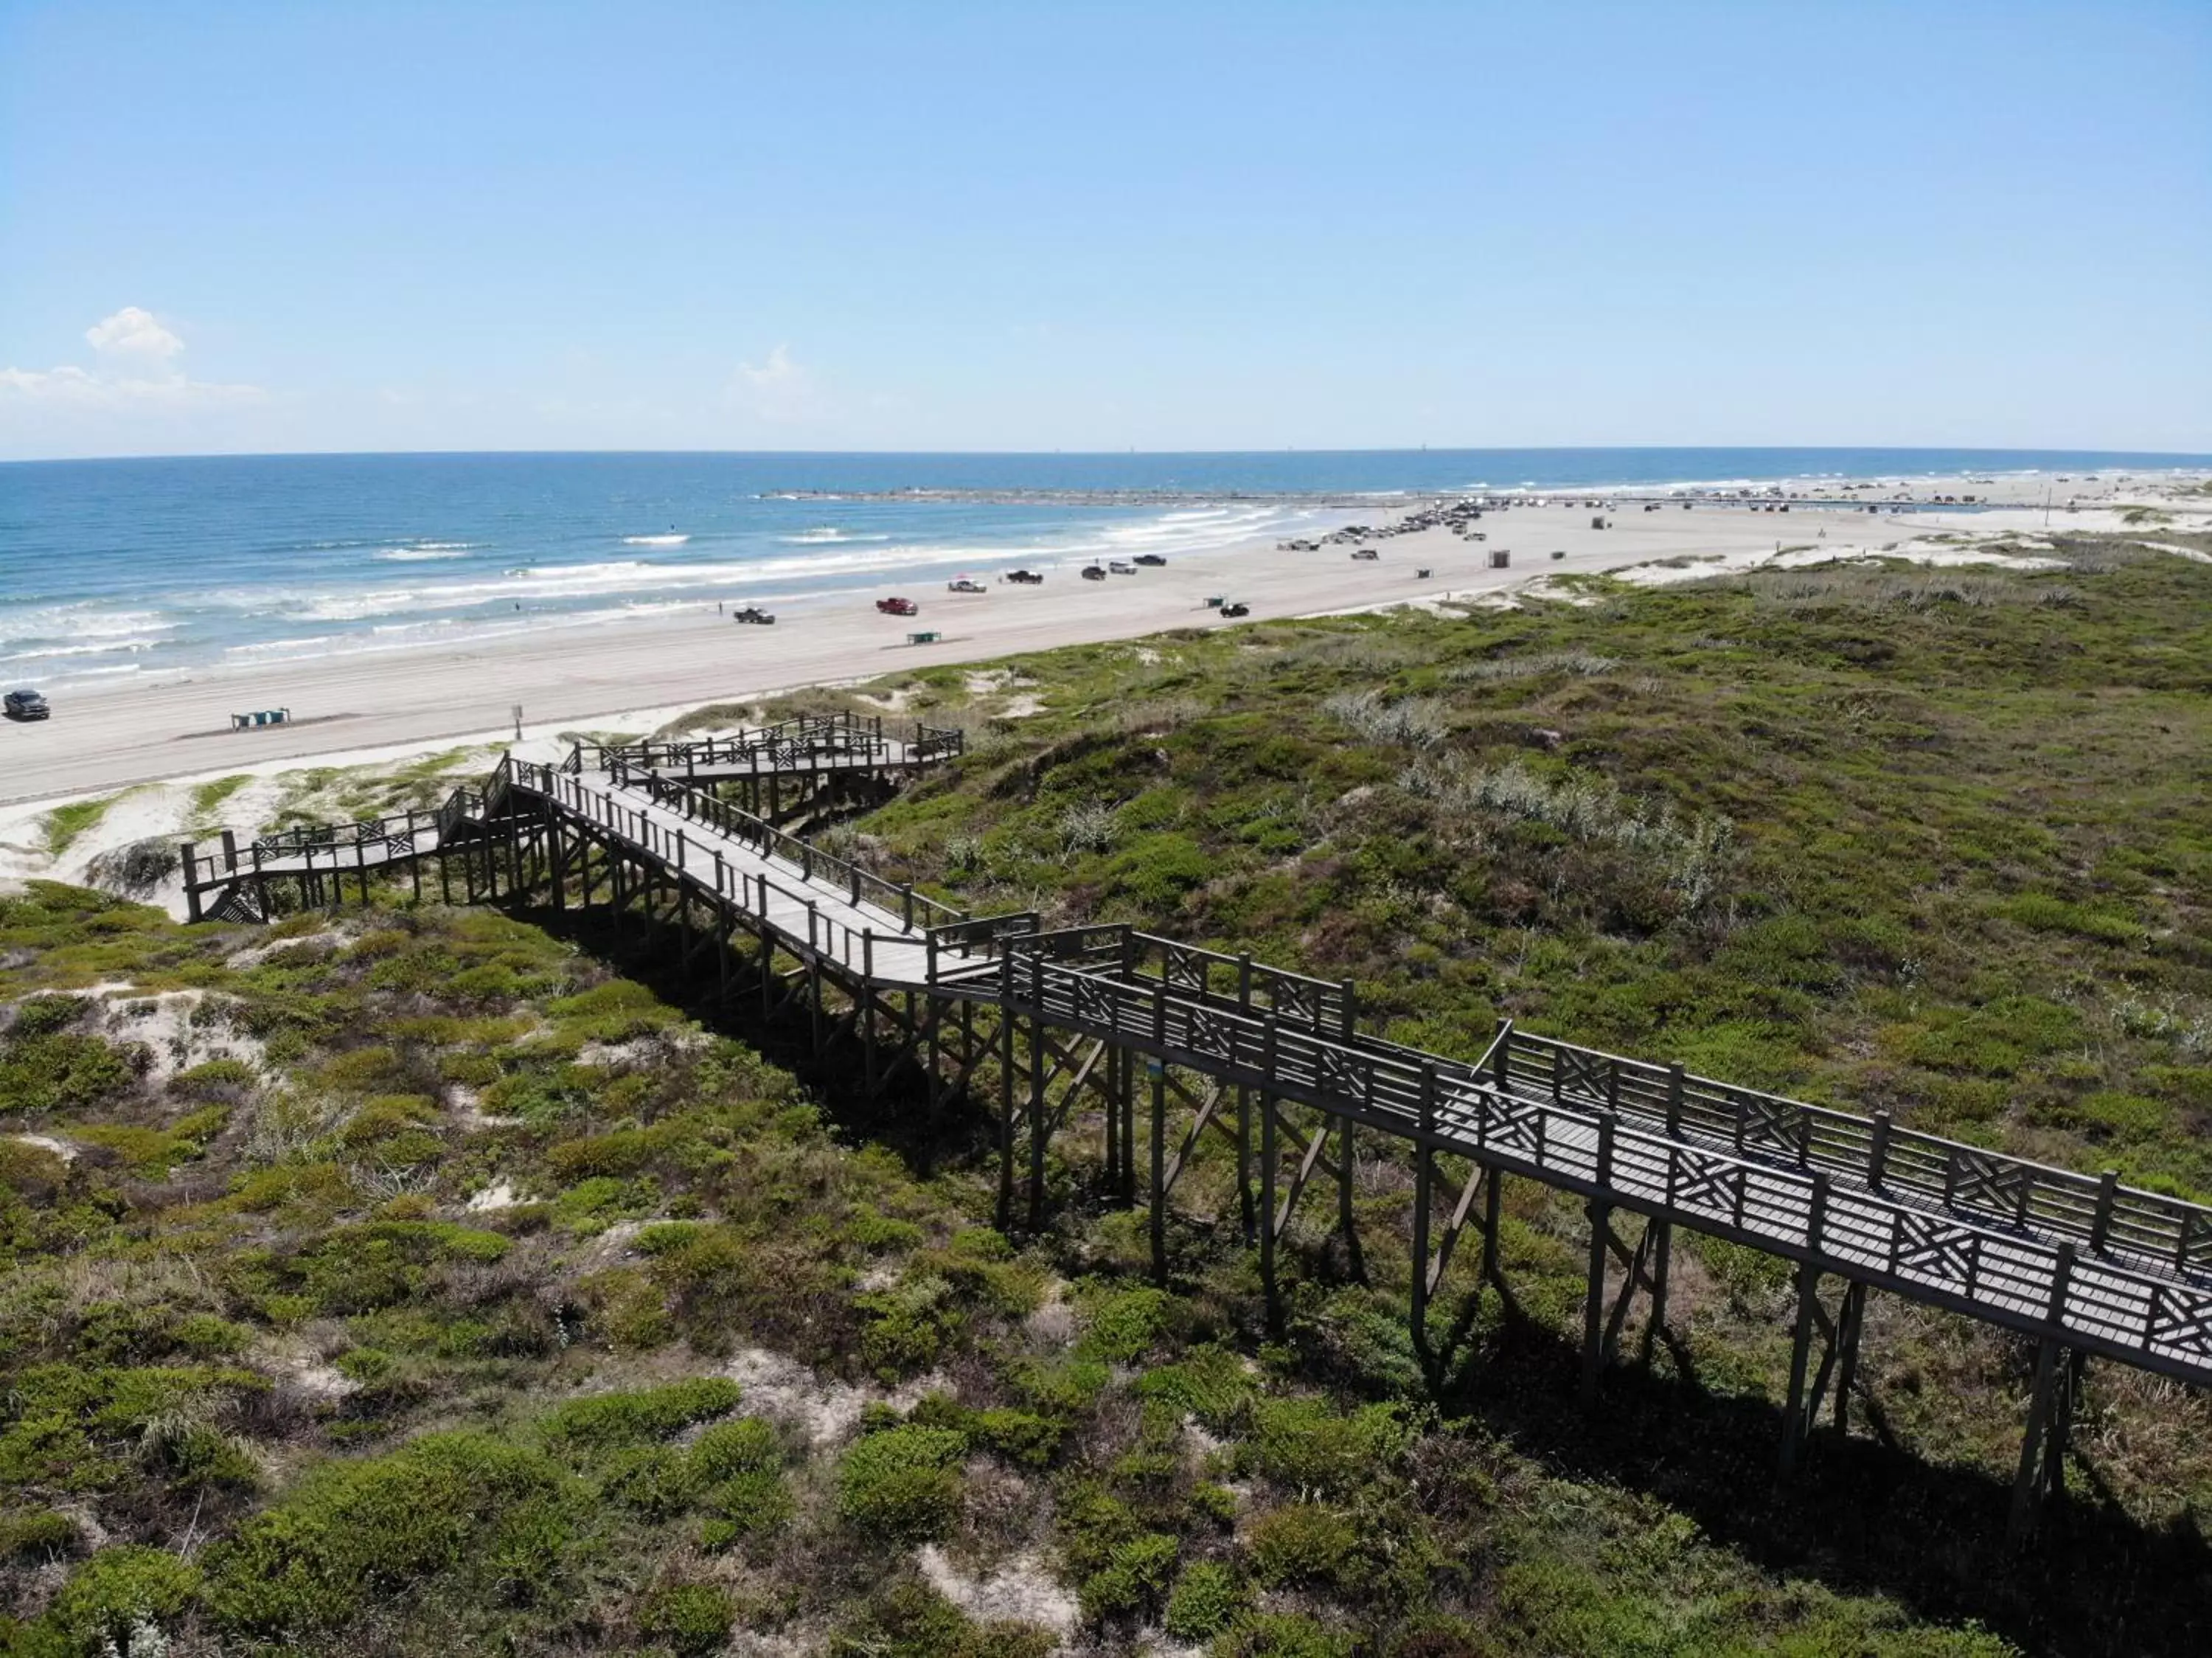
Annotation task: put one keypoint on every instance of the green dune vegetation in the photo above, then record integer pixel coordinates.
(410, 1280)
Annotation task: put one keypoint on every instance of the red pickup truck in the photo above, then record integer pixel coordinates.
(898, 606)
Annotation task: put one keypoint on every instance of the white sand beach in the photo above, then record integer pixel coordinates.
(104, 739)
(159, 741)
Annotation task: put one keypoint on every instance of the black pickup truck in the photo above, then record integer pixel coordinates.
(27, 706)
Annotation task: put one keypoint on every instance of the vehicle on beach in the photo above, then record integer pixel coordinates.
(1027, 577)
(1094, 572)
(1152, 559)
(27, 704)
(1236, 609)
(899, 608)
(965, 584)
(754, 615)
(1366, 553)
(1118, 568)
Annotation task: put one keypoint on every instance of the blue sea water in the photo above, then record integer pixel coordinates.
(111, 569)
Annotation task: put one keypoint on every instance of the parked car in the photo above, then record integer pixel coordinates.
(1236, 609)
(1120, 569)
(754, 615)
(1094, 572)
(965, 585)
(27, 704)
(898, 606)
(1152, 559)
(1365, 552)
(1027, 577)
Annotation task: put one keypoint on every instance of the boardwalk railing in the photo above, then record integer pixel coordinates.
(786, 746)
(2026, 1283)
(316, 849)
(2094, 1210)
(806, 929)
(2152, 1231)
(397, 830)
(906, 909)
(811, 863)
(1233, 980)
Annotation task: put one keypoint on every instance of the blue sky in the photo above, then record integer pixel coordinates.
(231, 227)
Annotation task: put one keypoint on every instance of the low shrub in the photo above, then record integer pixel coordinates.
(1133, 1581)
(1207, 1599)
(37, 1535)
(120, 1600)
(735, 1447)
(1304, 1445)
(1120, 1325)
(1302, 1544)
(354, 1530)
(689, 1619)
(902, 1484)
(1281, 1635)
(611, 1419)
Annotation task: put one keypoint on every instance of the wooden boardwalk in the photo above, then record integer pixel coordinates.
(231, 882)
(1273, 1062)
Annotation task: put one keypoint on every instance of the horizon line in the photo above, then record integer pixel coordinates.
(2184, 455)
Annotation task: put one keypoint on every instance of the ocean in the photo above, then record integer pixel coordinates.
(111, 569)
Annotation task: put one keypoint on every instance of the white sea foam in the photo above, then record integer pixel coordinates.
(41, 623)
(654, 540)
(278, 646)
(825, 535)
(104, 648)
(429, 552)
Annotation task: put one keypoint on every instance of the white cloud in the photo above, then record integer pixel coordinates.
(782, 390)
(134, 333)
(135, 372)
(61, 385)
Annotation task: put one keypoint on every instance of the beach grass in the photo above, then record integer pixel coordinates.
(62, 827)
(208, 797)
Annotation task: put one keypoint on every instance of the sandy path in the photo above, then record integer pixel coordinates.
(100, 741)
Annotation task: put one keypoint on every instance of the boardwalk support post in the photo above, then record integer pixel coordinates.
(1267, 1161)
(1424, 1195)
(1660, 1237)
(1005, 1207)
(1159, 1212)
(1039, 1127)
(2041, 1475)
(1801, 1350)
(1600, 1225)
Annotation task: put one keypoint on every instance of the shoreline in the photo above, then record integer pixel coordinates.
(425, 696)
